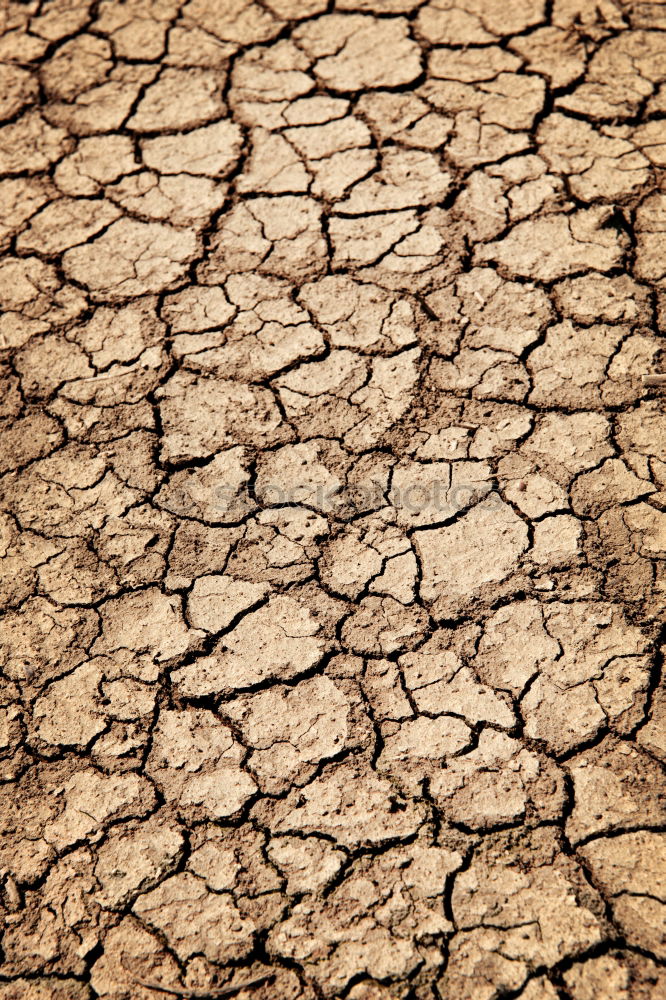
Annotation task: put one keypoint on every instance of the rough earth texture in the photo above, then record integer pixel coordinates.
(332, 505)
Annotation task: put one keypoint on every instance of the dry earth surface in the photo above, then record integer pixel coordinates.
(332, 503)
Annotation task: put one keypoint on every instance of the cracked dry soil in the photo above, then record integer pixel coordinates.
(332, 503)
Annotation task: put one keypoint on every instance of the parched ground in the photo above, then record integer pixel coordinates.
(332, 501)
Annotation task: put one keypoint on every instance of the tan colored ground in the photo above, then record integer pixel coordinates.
(332, 504)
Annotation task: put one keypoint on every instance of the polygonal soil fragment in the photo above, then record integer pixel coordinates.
(197, 763)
